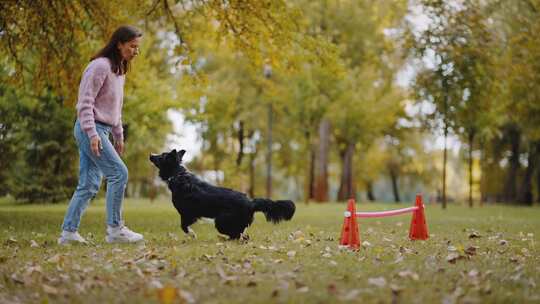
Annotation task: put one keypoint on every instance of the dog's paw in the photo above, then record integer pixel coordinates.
(192, 233)
(223, 237)
(244, 238)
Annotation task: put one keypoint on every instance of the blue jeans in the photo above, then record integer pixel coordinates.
(91, 170)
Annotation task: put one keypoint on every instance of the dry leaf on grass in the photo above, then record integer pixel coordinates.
(409, 274)
(453, 257)
(49, 289)
(474, 234)
(379, 281)
(167, 294)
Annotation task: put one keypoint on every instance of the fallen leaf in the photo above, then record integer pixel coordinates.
(49, 289)
(471, 250)
(167, 294)
(224, 276)
(351, 295)
(405, 250)
(16, 279)
(187, 296)
(155, 284)
(474, 235)
(399, 259)
(303, 289)
(332, 289)
(409, 274)
(56, 259)
(297, 236)
(453, 257)
(379, 281)
(473, 273)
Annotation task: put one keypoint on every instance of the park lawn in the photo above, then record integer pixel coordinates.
(479, 255)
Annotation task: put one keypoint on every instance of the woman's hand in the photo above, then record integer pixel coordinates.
(95, 145)
(119, 147)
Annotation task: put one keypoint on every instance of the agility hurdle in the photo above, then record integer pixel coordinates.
(350, 235)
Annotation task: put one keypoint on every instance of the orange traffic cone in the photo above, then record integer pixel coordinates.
(418, 230)
(349, 232)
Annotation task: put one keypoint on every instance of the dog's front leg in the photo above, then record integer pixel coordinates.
(192, 233)
(185, 223)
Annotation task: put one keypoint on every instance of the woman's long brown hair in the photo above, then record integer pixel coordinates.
(122, 34)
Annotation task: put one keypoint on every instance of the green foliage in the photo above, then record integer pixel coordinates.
(8, 136)
(331, 61)
(43, 156)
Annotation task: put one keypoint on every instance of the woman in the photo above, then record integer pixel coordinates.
(99, 112)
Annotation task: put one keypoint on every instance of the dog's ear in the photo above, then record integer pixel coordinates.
(171, 156)
(180, 155)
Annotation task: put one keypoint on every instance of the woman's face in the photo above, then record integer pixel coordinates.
(129, 49)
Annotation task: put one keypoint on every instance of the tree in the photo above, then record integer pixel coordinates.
(455, 79)
(520, 23)
(45, 170)
(369, 53)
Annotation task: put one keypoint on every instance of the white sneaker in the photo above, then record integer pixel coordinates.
(71, 237)
(122, 234)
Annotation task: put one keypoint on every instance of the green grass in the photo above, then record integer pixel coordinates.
(279, 264)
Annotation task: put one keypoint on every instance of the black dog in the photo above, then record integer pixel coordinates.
(194, 198)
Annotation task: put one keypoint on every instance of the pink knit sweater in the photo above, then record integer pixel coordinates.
(101, 95)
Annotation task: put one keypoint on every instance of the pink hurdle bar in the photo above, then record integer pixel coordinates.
(382, 213)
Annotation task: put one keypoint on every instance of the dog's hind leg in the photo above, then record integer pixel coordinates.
(230, 225)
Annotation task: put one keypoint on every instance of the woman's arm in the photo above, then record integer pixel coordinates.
(91, 82)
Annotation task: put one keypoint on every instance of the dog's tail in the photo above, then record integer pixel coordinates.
(275, 211)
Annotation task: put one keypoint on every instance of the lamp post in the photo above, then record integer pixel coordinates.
(267, 72)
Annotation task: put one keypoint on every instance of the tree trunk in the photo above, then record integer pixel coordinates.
(526, 195)
(483, 168)
(252, 157)
(251, 189)
(241, 144)
(309, 184)
(370, 194)
(269, 154)
(471, 141)
(346, 187)
(538, 174)
(321, 175)
(510, 189)
(394, 179)
(445, 119)
(444, 166)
